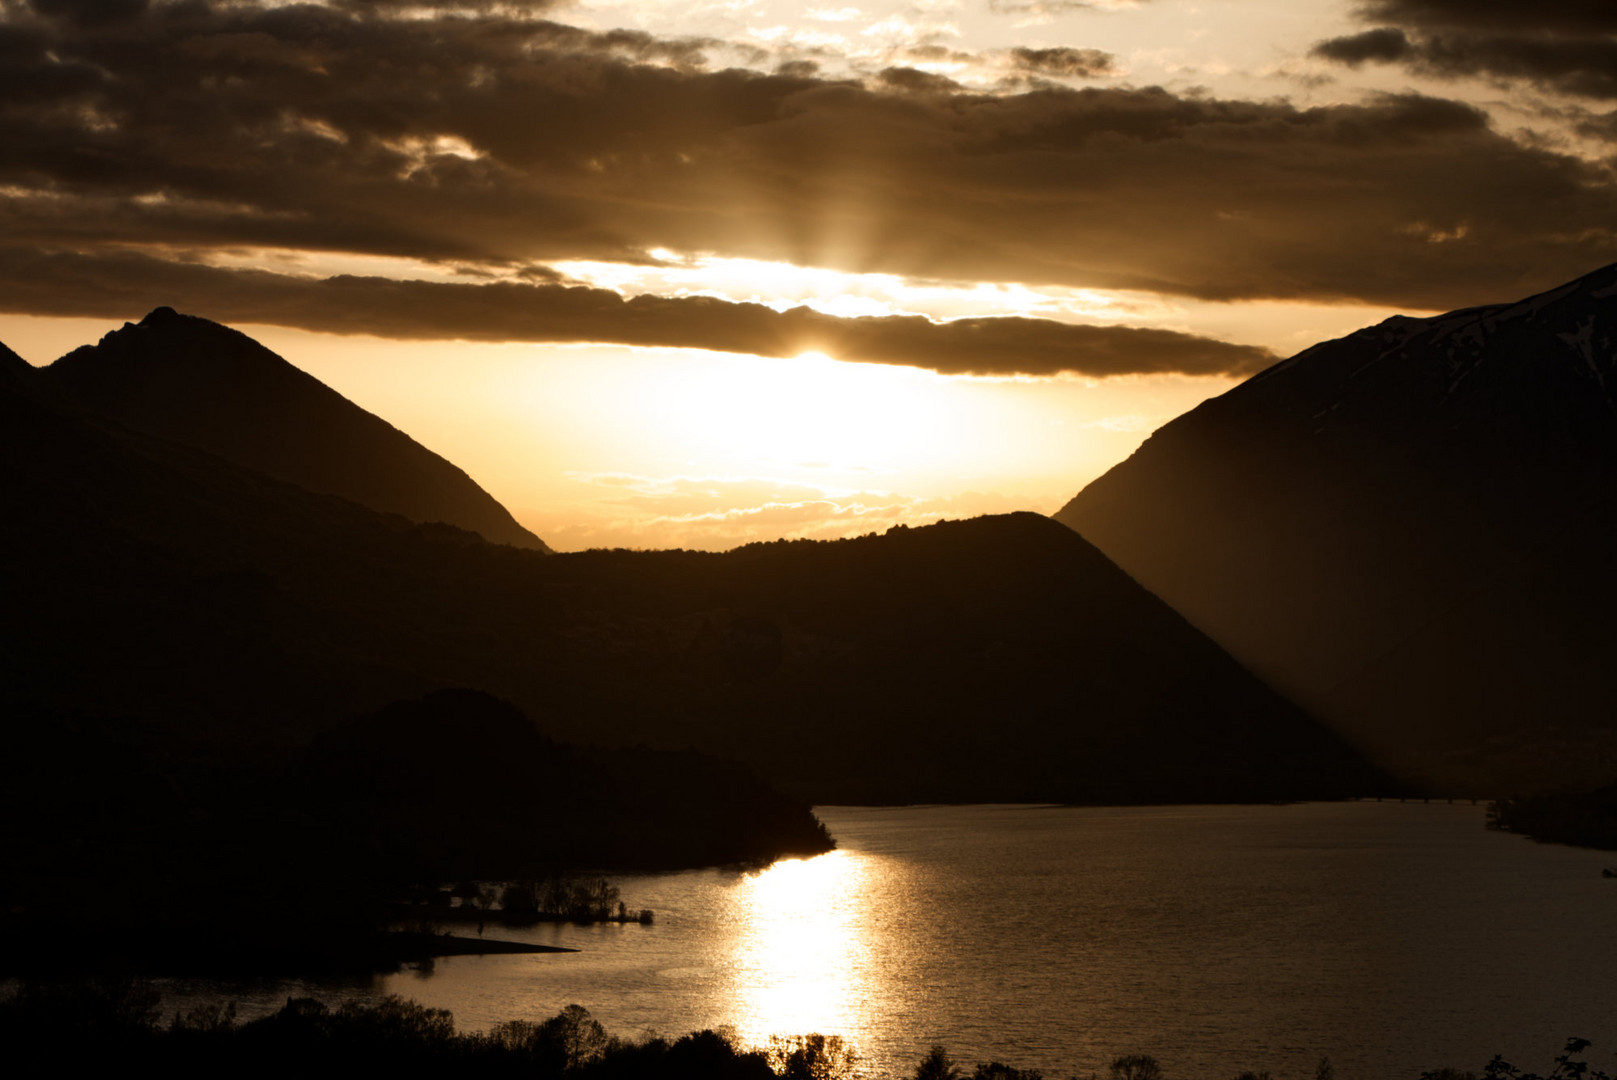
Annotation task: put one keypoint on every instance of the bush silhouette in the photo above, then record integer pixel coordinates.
(937, 1065)
(811, 1057)
(996, 1070)
(1136, 1067)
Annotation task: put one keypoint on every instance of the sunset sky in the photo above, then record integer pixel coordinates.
(695, 273)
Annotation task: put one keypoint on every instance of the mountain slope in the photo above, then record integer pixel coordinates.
(10, 362)
(199, 383)
(1000, 658)
(1407, 531)
(994, 659)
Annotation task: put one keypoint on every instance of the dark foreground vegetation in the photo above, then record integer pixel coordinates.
(118, 1023)
(1583, 818)
(557, 898)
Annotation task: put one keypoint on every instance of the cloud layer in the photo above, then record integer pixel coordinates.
(487, 137)
(128, 285)
(1568, 47)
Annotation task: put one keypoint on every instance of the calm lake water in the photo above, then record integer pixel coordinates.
(1392, 938)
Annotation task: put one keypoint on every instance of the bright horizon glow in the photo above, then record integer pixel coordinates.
(613, 446)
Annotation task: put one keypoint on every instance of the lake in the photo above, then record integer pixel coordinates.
(1390, 937)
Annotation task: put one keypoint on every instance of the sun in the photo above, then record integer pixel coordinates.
(811, 407)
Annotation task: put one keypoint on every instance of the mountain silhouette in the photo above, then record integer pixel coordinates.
(199, 383)
(1409, 532)
(11, 363)
(1000, 658)
(994, 659)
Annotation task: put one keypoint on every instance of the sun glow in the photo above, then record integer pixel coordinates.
(781, 413)
(607, 446)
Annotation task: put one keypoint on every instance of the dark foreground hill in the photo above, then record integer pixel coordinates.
(205, 385)
(999, 658)
(1409, 531)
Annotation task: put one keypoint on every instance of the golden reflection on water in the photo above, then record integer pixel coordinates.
(802, 957)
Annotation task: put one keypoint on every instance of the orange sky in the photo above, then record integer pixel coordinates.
(612, 259)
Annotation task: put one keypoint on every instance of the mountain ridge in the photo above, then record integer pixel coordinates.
(196, 382)
(997, 659)
(1400, 529)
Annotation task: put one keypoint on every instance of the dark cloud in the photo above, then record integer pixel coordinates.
(1560, 16)
(932, 52)
(127, 285)
(1384, 44)
(492, 139)
(916, 81)
(1566, 48)
(393, 7)
(1598, 126)
(89, 12)
(1081, 63)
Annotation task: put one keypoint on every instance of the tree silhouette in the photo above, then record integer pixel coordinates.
(937, 1065)
(1136, 1067)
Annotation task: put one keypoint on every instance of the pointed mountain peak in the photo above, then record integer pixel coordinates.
(193, 381)
(166, 323)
